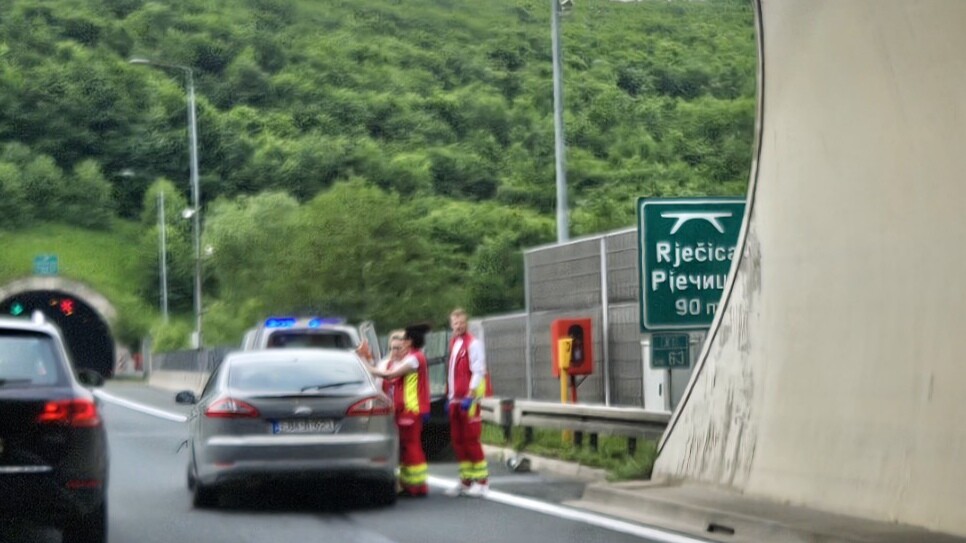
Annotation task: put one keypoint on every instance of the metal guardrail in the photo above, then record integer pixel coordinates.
(594, 420)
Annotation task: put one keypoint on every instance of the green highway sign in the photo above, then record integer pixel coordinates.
(670, 350)
(45, 265)
(686, 248)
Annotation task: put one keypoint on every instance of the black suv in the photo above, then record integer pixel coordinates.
(53, 445)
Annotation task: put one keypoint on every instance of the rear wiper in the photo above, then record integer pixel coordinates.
(4, 382)
(331, 385)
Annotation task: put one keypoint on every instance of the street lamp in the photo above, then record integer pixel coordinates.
(162, 233)
(563, 231)
(195, 189)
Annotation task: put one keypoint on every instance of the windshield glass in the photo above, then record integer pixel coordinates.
(306, 339)
(28, 360)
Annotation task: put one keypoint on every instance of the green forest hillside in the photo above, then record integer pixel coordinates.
(358, 155)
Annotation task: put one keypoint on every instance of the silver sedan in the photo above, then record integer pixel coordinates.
(291, 414)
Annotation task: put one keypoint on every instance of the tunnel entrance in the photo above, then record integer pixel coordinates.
(87, 335)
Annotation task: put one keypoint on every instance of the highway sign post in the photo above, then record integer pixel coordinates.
(686, 248)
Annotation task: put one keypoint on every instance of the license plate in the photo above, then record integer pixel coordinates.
(304, 426)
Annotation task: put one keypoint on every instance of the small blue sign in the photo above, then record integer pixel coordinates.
(45, 265)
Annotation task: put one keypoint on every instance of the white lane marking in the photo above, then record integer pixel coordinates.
(107, 397)
(568, 513)
(496, 496)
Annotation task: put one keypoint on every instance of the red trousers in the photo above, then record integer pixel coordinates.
(412, 461)
(465, 428)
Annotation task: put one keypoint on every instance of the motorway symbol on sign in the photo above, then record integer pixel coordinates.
(686, 249)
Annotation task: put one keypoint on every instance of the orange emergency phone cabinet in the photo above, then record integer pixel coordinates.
(581, 350)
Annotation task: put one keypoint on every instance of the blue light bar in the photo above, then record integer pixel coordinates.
(280, 322)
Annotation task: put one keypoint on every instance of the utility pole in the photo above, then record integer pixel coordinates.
(563, 226)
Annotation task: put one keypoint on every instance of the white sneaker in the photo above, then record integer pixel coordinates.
(477, 490)
(457, 490)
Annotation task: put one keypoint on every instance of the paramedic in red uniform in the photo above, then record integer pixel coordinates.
(409, 388)
(466, 384)
(388, 362)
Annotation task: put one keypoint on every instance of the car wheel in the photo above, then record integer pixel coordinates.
(191, 477)
(204, 497)
(384, 493)
(89, 528)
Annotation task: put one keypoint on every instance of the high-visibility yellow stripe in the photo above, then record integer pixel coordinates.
(412, 392)
(478, 471)
(413, 475)
(477, 393)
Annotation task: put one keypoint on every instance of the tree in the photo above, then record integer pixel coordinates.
(251, 240)
(496, 276)
(14, 209)
(362, 254)
(87, 197)
(44, 187)
(180, 248)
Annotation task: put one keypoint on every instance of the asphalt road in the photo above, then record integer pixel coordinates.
(150, 503)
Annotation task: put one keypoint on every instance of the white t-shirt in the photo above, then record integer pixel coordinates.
(477, 364)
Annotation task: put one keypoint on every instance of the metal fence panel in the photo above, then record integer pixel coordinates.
(565, 276)
(623, 267)
(625, 356)
(505, 341)
(191, 360)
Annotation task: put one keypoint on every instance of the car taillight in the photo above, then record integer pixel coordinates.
(369, 407)
(77, 413)
(230, 408)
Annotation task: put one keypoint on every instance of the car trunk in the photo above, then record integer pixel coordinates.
(26, 441)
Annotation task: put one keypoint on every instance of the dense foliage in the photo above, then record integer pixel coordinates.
(375, 158)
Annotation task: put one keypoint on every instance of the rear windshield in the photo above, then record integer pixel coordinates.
(29, 360)
(332, 376)
(290, 339)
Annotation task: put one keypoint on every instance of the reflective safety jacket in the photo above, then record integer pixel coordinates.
(411, 391)
(459, 371)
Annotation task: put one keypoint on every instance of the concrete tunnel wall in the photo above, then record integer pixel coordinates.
(835, 375)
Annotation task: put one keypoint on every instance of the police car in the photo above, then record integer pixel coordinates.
(310, 332)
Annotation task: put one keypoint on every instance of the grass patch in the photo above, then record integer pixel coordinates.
(611, 455)
(105, 260)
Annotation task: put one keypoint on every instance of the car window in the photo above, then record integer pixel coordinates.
(305, 339)
(437, 353)
(437, 376)
(334, 376)
(29, 360)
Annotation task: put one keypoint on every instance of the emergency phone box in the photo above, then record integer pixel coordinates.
(581, 350)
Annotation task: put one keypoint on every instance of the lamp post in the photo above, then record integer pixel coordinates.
(162, 233)
(195, 189)
(563, 230)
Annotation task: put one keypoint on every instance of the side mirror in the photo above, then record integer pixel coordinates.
(186, 397)
(90, 378)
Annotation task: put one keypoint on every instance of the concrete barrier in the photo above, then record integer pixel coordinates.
(177, 381)
(833, 376)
